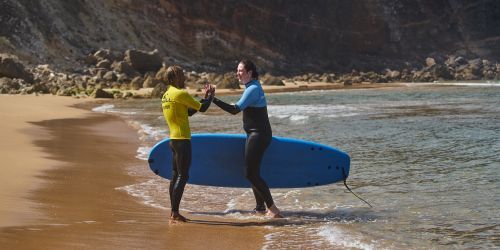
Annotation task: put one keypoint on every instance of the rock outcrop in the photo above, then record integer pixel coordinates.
(11, 67)
(89, 47)
(281, 36)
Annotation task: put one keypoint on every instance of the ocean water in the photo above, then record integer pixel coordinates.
(426, 157)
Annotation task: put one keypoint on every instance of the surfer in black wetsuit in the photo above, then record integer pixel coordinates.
(256, 125)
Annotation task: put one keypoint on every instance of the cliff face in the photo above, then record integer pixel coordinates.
(280, 35)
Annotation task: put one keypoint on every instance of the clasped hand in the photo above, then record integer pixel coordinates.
(209, 90)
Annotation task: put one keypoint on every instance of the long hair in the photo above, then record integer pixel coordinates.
(249, 65)
(172, 75)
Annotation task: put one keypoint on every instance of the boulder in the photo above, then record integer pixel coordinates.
(268, 79)
(460, 61)
(7, 85)
(441, 72)
(121, 78)
(37, 88)
(106, 54)
(327, 78)
(150, 82)
(429, 61)
(105, 64)
(159, 90)
(393, 74)
(229, 81)
(137, 83)
(476, 66)
(125, 68)
(11, 67)
(100, 93)
(5, 82)
(162, 74)
(90, 60)
(143, 61)
(110, 76)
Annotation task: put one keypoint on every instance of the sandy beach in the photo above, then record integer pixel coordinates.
(61, 166)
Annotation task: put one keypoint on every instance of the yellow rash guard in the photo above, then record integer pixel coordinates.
(175, 103)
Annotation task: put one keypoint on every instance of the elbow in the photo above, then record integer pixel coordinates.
(235, 110)
(205, 105)
(204, 108)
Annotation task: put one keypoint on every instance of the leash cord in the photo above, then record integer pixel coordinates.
(345, 184)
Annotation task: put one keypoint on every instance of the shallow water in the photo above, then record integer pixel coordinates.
(427, 159)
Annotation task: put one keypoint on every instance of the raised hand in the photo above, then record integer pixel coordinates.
(213, 90)
(209, 90)
(206, 87)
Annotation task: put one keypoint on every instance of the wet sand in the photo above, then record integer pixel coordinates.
(60, 170)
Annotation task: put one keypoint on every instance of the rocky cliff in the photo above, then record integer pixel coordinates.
(282, 36)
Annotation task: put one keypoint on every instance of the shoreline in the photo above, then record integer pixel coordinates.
(288, 87)
(311, 86)
(80, 159)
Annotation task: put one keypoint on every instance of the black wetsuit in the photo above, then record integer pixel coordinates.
(259, 134)
(181, 151)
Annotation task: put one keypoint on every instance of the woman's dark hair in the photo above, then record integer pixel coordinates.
(249, 65)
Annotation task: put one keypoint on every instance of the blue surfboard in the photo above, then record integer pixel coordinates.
(218, 160)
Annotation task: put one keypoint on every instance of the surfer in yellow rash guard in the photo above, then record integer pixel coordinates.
(177, 105)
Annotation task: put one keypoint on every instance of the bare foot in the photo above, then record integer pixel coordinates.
(275, 216)
(274, 212)
(176, 217)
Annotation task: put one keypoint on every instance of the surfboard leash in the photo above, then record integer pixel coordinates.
(345, 184)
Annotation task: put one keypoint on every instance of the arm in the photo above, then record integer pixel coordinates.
(205, 103)
(191, 111)
(250, 96)
(230, 108)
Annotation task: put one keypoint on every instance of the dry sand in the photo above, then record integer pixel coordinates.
(60, 170)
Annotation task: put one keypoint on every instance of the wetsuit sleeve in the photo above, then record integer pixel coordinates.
(191, 111)
(230, 108)
(250, 96)
(205, 104)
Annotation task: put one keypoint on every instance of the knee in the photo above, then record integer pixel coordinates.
(183, 178)
(251, 176)
(174, 174)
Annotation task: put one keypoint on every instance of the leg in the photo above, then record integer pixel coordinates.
(254, 151)
(260, 207)
(255, 147)
(183, 162)
(174, 175)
